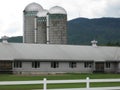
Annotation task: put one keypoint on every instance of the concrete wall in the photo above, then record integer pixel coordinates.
(45, 67)
(114, 67)
(41, 30)
(28, 22)
(119, 67)
(58, 29)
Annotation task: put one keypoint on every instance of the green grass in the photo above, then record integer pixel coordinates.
(21, 87)
(7, 77)
(30, 87)
(57, 77)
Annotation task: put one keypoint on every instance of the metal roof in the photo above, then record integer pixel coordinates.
(42, 13)
(17, 51)
(33, 7)
(57, 10)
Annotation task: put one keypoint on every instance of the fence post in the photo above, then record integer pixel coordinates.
(87, 83)
(44, 84)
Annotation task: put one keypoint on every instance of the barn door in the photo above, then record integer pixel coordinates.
(99, 66)
(5, 66)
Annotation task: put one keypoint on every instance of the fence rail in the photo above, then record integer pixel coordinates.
(45, 82)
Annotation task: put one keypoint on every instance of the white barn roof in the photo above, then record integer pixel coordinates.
(17, 51)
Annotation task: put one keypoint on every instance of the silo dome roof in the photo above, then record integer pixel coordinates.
(57, 10)
(33, 7)
(42, 13)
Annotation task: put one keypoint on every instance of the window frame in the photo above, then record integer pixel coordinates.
(35, 64)
(55, 64)
(87, 64)
(17, 64)
(72, 64)
(108, 65)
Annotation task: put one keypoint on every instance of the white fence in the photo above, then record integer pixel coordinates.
(45, 82)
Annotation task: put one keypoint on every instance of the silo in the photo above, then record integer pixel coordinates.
(41, 36)
(29, 15)
(57, 25)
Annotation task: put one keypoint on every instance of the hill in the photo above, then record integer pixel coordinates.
(17, 39)
(83, 30)
(104, 30)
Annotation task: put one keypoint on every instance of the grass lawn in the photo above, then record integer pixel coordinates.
(7, 77)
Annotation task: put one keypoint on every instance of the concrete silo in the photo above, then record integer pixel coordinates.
(57, 25)
(45, 27)
(40, 35)
(29, 15)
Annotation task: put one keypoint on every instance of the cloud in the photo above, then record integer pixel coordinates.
(11, 17)
(112, 9)
(91, 8)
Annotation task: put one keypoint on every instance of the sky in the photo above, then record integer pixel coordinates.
(11, 11)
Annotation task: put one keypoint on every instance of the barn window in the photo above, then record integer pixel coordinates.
(72, 64)
(87, 64)
(18, 64)
(35, 64)
(54, 64)
(108, 65)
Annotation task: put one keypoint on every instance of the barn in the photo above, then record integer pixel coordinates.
(23, 58)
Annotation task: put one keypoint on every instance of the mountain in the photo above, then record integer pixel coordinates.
(104, 30)
(17, 39)
(83, 30)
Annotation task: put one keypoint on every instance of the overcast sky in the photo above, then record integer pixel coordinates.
(11, 11)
